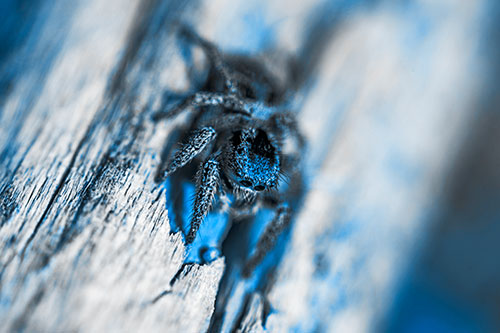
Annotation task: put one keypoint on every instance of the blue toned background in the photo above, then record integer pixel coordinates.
(399, 227)
(453, 284)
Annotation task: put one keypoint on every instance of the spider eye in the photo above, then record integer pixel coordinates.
(246, 183)
(262, 146)
(259, 188)
(236, 138)
(249, 93)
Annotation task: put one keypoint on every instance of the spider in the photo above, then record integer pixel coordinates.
(245, 140)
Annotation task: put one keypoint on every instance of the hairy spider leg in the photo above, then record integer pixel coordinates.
(230, 77)
(195, 145)
(208, 178)
(286, 123)
(215, 57)
(232, 100)
(231, 104)
(267, 240)
(229, 122)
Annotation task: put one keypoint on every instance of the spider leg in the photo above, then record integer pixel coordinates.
(228, 101)
(208, 178)
(215, 56)
(200, 99)
(286, 124)
(231, 103)
(268, 238)
(195, 145)
(183, 106)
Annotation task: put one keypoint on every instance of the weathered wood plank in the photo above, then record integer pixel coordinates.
(73, 256)
(84, 234)
(377, 187)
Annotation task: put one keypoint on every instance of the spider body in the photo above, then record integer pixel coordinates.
(236, 135)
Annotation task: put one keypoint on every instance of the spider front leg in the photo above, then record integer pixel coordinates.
(207, 181)
(195, 145)
(215, 57)
(285, 123)
(267, 240)
(231, 103)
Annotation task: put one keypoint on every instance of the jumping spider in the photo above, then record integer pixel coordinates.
(245, 140)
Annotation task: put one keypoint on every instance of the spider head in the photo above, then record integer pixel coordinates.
(254, 160)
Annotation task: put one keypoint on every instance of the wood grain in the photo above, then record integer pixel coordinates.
(84, 234)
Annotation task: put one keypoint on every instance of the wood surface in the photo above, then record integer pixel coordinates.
(85, 241)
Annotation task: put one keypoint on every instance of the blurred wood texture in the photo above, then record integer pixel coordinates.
(84, 234)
